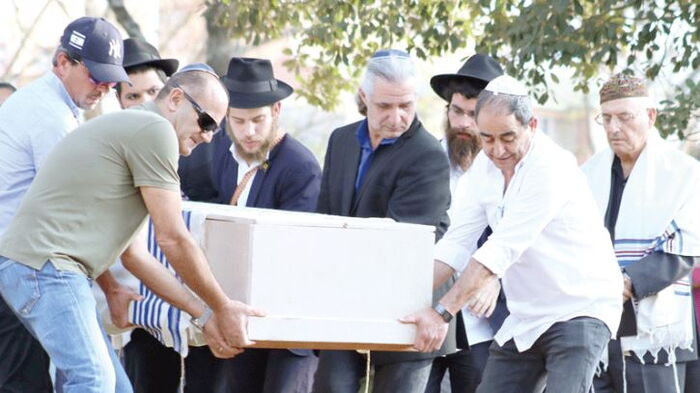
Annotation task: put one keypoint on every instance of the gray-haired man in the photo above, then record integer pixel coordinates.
(386, 165)
(547, 243)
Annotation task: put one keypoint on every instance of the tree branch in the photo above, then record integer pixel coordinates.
(125, 19)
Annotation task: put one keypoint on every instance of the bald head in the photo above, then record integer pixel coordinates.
(198, 84)
(186, 100)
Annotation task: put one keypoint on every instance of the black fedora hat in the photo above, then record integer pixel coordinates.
(477, 70)
(251, 83)
(138, 52)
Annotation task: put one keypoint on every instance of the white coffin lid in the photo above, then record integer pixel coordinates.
(281, 217)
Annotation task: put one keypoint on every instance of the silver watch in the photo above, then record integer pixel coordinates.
(443, 312)
(202, 320)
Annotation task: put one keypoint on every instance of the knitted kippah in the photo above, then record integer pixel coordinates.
(623, 86)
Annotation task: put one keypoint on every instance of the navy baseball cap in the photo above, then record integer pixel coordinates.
(98, 44)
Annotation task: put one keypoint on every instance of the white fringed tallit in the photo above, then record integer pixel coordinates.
(660, 211)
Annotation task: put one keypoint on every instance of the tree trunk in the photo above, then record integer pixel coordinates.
(220, 46)
(125, 19)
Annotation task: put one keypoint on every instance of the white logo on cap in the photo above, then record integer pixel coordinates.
(114, 49)
(76, 40)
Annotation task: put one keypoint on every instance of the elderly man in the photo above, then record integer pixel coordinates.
(86, 63)
(85, 208)
(648, 193)
(147, 73)
(386, 165)
(263, 167)
(548, 247)
(6, 90)
(462, 144)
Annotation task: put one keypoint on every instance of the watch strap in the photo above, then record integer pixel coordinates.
(202, 320)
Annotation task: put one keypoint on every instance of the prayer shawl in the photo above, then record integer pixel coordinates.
(170, 325)
(659, 211)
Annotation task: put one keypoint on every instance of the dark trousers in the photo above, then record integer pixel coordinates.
(268, 371)
(24, 365)
(155, 368)
(692, 376)
(567, 352)
(465, 366)
(341, 372)
(640, 378)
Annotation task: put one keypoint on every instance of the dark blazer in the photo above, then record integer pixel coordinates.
(407, 181)
(291, 181)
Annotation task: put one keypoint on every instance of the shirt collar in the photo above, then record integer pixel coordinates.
(362, 135)
(533, 142)
(55, 83)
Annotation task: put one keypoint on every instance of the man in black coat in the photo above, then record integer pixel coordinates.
(386, 165)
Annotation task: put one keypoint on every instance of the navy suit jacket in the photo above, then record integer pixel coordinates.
(290, 182)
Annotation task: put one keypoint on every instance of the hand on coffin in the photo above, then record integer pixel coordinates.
(483, 302)
(226, 330)
(118, 299)
(431, 329)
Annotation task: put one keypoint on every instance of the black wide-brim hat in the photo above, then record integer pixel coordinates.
(252, 84)
(140, 53)
(478, 70)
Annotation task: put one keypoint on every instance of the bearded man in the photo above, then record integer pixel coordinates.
(263, 167)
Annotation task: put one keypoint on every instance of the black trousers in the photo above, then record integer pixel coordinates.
(24, 365)
(155, 368)
(465, 366)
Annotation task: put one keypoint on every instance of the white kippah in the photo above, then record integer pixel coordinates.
(505, 84)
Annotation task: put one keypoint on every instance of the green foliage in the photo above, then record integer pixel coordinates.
(675, 114)
(333, 39)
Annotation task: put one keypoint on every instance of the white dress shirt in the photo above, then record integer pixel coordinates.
(478, 329)
(548, 245)
(243, 168)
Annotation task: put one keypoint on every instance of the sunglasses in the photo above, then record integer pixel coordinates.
(95, 81)
(204, 120)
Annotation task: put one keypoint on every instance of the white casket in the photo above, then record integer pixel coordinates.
(325, 282)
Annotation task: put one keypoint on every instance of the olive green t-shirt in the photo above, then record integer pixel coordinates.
(84, 206)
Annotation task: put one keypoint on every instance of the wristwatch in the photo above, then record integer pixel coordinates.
(202, 320)
(443, 312)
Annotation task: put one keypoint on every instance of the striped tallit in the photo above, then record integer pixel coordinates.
(660, 211)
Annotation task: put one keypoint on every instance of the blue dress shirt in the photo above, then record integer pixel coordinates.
(32, 121)
(366, 152)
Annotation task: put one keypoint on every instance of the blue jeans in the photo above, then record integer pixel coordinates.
(58, 308)
(568, 352)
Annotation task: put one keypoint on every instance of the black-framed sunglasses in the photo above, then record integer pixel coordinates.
(204, 120)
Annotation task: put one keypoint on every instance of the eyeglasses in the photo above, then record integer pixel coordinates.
(204, 120)
(605, 119)
(94, 81)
